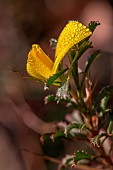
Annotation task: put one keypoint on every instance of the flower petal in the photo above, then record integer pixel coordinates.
(72, 34)
(39, 65)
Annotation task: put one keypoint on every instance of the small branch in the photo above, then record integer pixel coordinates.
(74, 96)
(57, 161)
(85, 167)
(87, 122)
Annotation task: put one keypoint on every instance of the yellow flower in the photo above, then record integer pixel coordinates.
(40, 66)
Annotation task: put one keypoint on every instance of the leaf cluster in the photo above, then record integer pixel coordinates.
(94, 113)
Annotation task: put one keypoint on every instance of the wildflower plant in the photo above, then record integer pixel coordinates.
(94, 114)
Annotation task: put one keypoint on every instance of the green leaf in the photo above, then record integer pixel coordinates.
(53, 97)
(45, 137)
(49, 98)
(53, 78)
(52, 136)
(110, 127)
(82, 48)
(93, 57)
(93, 24)
(74, 126)
(106, 91)
(66, 161)
(69, 160)
(80, 155)
(68, 101)
(59, 134)
(104, 103)
(96, 139)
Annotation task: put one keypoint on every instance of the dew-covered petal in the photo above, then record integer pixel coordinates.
(39, 65)
(73, 33)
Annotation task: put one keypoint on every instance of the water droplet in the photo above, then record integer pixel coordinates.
(72, 35)
(46, 87)
(79, 25)
(87, 29)
(84, 26)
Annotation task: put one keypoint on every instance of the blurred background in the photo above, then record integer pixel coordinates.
(23, 115)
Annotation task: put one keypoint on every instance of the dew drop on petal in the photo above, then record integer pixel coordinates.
(73, 33)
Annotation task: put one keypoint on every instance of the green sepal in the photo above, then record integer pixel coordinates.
(93, 24)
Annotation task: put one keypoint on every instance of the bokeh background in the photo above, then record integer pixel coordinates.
(23, 115)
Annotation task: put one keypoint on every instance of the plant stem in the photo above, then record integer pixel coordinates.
(57, 161)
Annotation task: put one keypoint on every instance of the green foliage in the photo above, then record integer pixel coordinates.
(91, 59)
(105, 94)
(80, 155)
(53, 79)
(95, 112)
(74, 126)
